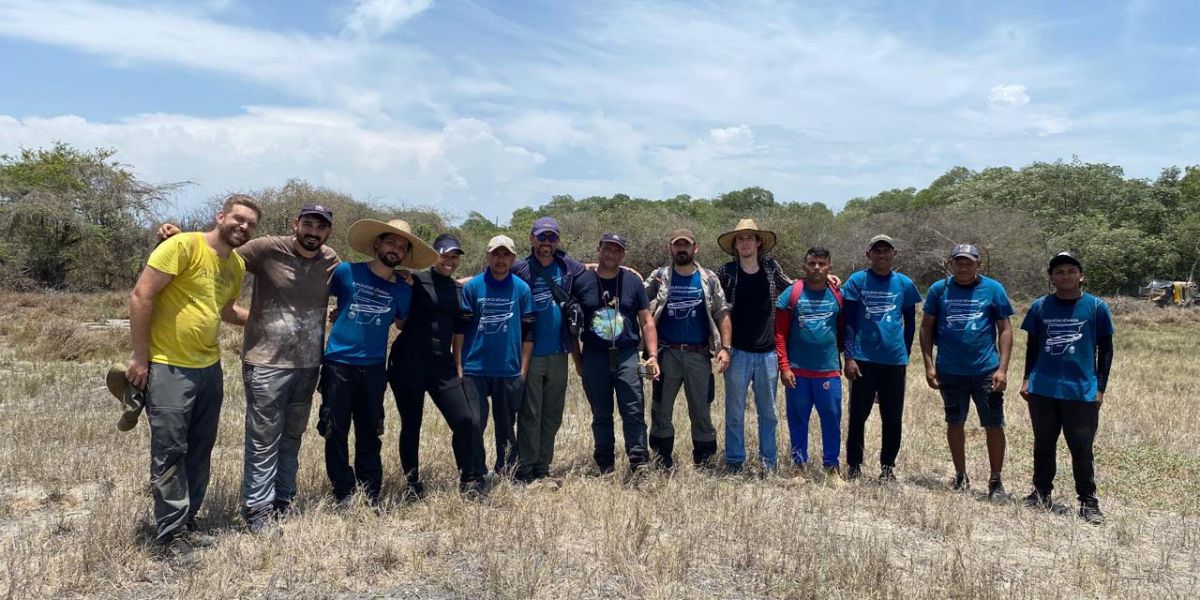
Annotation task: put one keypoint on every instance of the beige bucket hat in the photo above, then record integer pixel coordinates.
(746, 226)
(364, 232)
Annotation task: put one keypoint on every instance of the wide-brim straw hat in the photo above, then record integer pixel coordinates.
(364, 232)
(726, 241)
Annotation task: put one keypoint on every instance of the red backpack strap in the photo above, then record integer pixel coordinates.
(837, 294)
(797, 289)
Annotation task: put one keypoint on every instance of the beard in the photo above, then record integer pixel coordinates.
(309, 242)
(233, 236)
(683, 258)
(390, 260)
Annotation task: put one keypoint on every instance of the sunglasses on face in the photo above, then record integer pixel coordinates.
(547, 236)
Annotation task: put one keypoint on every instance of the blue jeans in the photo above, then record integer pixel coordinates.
(760, 370)
(824, 393)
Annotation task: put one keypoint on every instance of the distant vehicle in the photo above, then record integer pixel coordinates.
(1170, 293)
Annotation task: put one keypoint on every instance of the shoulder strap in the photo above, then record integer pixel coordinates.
(794, 297)
(837, 294)
(559, 294)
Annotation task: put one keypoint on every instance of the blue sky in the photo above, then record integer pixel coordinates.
(493, 106)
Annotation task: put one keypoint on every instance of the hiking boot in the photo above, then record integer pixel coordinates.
(853, 472)
(887, 474)
(639, 475)
(282, 509)
(179, 553)
(132, 399)
(196, 537)
(833, 476)
(1090, 511)
(1038, 500)
(961, 483)
(265, 525)
(473, 490)
(996, 492)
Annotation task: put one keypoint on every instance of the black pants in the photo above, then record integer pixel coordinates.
(606, 377)
(352, 394)
(1077, 421)
(506, 394)
(443, 385)
(887, 383)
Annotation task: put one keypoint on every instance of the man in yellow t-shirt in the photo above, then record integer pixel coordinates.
(188, 287)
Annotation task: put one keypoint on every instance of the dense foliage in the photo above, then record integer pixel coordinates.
(79, 219)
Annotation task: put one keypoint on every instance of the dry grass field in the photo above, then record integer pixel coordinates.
(75, 511)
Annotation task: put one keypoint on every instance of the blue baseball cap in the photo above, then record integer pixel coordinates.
(447, 243)
(615, 238)
(544, 224)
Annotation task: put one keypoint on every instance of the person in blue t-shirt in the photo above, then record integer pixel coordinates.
(688, 305)
(966, 316)
(808, 326)
(496, 348)
(551, 275)
(370, 297)
(880, 323)
(1067, 363)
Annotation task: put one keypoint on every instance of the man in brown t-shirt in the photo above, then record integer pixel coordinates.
(281, 356)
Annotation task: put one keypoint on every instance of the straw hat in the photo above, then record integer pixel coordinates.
(364, 232)
(746, 226)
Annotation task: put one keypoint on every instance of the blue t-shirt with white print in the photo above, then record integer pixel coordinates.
(879, 332)
(966, 324)
(492, 342)
(1068, 332)
(812, 334)
(683, 320)
(366, 306)
(547, 329)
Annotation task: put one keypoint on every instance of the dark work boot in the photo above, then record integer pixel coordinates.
(662, 451)
(702, 452)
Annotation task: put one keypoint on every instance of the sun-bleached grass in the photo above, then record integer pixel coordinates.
(75, 510)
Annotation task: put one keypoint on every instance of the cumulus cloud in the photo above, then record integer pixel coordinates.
(1010, 95)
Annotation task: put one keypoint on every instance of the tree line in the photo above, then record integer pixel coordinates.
(81, 220)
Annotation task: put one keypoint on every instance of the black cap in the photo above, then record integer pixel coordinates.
(615, 238)
(319, 210)
(1065, 258)
(447, 243)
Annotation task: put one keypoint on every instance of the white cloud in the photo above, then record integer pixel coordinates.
(1009, 95)
(373, 18)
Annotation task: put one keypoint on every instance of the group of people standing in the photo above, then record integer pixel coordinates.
(501, 343)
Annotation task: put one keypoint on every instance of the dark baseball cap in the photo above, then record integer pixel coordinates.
(1065, 258)
(967, 250)
(615, 238)
(319, 210)
(447, 243)
(544, 224)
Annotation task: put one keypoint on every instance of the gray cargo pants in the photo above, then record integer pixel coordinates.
(184, 406)
(278, 402)
(541, 414)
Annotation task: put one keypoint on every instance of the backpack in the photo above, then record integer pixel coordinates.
(798, 288)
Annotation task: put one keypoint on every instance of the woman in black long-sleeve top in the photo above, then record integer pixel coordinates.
(422, 360)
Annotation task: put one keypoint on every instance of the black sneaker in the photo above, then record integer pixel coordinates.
(961, 483)
(473, 490)
(996, 491)
(1090, 512)
(265, 525)
(179, 553)
(282, 509)
(196, 537)
(887, 474)
(853, 472)
(415, 492)
(1038, 500)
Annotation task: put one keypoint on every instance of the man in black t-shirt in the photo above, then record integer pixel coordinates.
(751, 284)
(616, 317)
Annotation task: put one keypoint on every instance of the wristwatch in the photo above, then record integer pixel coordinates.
(727, 349)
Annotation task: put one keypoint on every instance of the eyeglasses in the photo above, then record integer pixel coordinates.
(547, 236)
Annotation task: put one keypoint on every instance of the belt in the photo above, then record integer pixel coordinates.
(685, 347)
